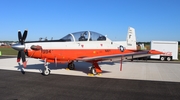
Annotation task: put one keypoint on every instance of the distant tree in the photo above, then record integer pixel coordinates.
(145, 43)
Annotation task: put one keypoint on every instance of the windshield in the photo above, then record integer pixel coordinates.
(67, 38)
(84, 36)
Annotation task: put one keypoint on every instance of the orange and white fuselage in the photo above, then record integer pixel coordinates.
(73, 46)
(68, 51)
(85, 46)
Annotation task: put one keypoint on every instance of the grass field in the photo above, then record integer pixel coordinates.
(7, 51)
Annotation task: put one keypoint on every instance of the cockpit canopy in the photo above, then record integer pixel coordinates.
(84, 36)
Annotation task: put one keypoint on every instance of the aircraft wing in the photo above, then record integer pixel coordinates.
(116, 57)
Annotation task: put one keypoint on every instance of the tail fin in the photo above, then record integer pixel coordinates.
(131, 39)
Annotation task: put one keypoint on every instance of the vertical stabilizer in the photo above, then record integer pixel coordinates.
(131, 39)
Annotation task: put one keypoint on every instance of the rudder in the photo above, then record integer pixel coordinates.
(131, 39)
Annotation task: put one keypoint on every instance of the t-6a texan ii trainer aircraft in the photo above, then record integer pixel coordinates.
(87, 46)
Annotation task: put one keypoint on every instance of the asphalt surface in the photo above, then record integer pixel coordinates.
(14, 85)
(7, 56)
(32, 86)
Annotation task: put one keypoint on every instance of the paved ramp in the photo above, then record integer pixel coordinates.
(131, 70)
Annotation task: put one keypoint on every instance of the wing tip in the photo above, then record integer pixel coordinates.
(155, 52)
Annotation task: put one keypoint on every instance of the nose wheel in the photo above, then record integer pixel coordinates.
(46, 71)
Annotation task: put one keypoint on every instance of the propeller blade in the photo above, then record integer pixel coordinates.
(23, 56)
(24, 35)
(21, 53)
(23, 59)
(19, 56)
(19, 36)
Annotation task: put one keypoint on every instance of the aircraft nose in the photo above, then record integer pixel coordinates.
(18, 47)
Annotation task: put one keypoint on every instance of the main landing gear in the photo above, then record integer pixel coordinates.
(71, 66)
(95, 69)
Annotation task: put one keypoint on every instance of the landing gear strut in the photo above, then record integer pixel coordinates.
(46, 71)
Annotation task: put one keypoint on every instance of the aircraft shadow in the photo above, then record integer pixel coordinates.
(79, 66)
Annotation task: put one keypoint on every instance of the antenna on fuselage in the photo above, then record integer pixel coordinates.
(45, 39)
(40, 39)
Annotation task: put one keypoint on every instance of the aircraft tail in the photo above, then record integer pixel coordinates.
(131, 39)
(130, 42)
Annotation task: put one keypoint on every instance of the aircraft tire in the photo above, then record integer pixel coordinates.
(93, 70)
(71, 66)
(46, 72)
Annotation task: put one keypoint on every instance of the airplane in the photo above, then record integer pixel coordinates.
(86, 46)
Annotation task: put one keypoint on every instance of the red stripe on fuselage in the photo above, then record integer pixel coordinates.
(66, 55)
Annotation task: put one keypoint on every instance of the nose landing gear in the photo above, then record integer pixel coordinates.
(46, 71)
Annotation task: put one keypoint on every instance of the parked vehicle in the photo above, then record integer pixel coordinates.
(170, 49)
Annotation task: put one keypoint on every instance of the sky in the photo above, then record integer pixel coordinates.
(152, 19)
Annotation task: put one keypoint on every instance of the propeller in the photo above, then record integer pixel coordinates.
(20, 47)
(22, 38)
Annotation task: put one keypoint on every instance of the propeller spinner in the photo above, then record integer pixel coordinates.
(20, 47)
